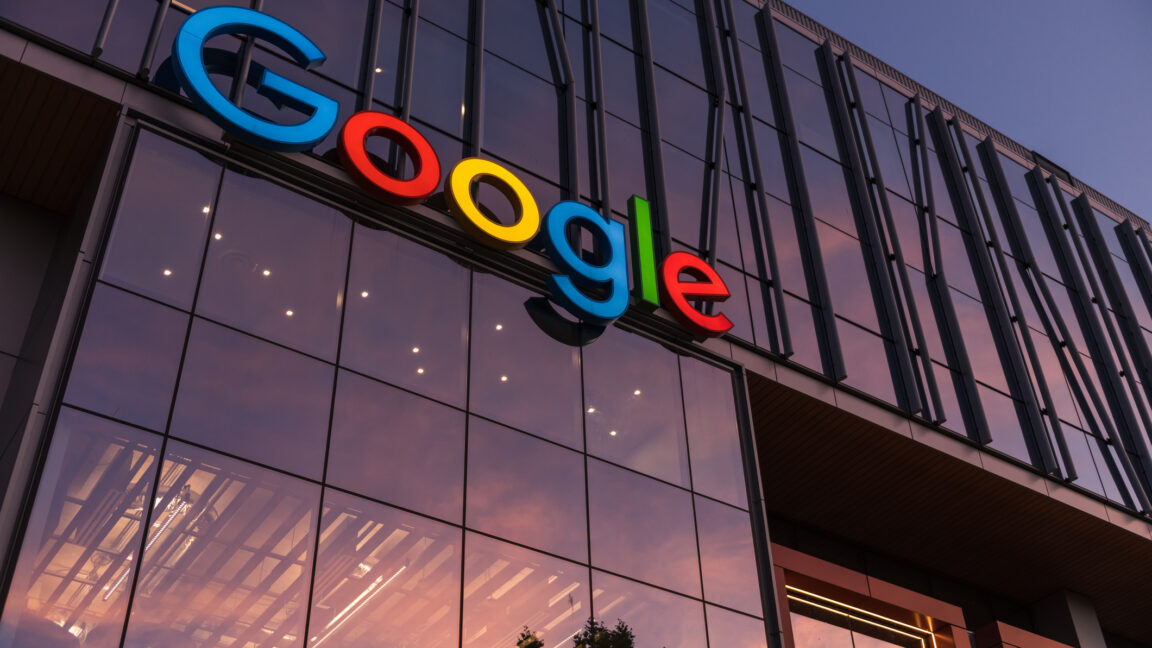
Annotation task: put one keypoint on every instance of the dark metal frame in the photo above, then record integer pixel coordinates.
(831, 354)
(903, 295)
(951, 337)
(1001, 321)
(859, 190)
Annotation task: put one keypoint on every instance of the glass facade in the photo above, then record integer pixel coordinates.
(292, 422)
(326, 430)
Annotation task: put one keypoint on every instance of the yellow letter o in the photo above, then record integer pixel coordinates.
(464, 209)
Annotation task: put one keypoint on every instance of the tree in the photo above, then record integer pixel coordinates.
(597, 635)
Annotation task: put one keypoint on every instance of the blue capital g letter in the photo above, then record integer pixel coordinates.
(609, 279)
(188, 59)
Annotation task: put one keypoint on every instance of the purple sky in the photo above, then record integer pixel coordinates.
(1070, 80)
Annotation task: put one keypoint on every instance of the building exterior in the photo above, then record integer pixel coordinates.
(250, 399)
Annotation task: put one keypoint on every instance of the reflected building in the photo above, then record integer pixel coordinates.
(245, 403)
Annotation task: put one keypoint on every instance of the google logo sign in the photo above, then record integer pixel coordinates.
(595, 293)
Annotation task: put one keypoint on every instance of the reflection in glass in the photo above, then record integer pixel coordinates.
(279, 253)
(407, 316)
(713, 432)
(270, 405)
(522, 123)
(684, 112)
(526, 490)
(1004, 423)
(127, 360)
(507, 588)
(866, 361)
(847, 273)
(642, 528)
(515, 30)
(162, 221)
(658, 618)
(519, 375)
(632, 406)
(228, 556)
(383, 575)
(812, 633)
(76, 566)
(727, 557)
(338, 28)
(676, 39)
(810, 110)
(394, 446)
(731, 630)
(438, 78)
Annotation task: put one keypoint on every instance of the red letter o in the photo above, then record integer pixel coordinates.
(359, 165)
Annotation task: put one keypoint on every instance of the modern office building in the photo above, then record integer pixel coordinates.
(250, 398)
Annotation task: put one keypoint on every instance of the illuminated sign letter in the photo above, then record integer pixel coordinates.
(708, 286)
(413, 191)
(188, 60)
(458, 193)
(643, 255)
(568, 289)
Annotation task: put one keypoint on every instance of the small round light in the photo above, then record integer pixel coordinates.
(415, 349)
(218, 236)
(612, 433)
(636, 393)
(206, 209)
(167, 272)
(591, 410)
(420, 370)
(364, 294)
(499, 327)
(503, 378)
(267, 273)
(289, 313)
(379, 70)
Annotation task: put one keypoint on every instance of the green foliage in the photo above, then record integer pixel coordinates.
(597, 635)
(528, 639)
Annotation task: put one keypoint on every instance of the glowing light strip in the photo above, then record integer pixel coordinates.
(359, 602)
(862, 611)
(856, 618)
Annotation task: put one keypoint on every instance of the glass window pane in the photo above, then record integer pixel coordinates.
(337, 27)
(1004, 423)
(866, 361)
(847, 275)
(769, 145)
(439, 75)
(626, 162)
(74, 24)
(810, 110)
(713, 432)
(675, 40)
(520, 376)
(407, 316)
(621, 93)
(515, 30)
(978, 341)
(616, 21)
(812, 633)
(802, 325)
(789, 256)
(797, 51)
(656, 617)
(448, 14)
(727, 557)
(642, 528)
(162, 221)
(76, 565)
(508, 588)
(736, 306)
(277, 269)
(389, 42)
(526, 490)
(522, 119)
(397, 447)
(732, 630)
(890, 154)
(756, 73)
(253, 399)
(228, 557)
(684, 112)
(633, 413)
(128, 357)
(684, 178)
(381, 572)
(828, 191)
